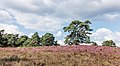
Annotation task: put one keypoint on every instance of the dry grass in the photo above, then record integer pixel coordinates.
(60, 56)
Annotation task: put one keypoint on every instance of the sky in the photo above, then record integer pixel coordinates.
(28, 16)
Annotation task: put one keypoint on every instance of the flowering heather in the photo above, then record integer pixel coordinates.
(60, 56)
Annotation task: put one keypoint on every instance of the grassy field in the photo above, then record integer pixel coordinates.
(60, 56)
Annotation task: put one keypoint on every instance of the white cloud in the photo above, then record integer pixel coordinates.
(60, 37)
(108, 17)
(18, 5)
(106, 34)
(113, 17)
(30, 35)
(59, 34)
(64, 8)
(10, 28)
(6, 23)
(5, 17)
(41, 23)
(61, 42)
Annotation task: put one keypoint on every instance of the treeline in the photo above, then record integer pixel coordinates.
(78, 32)
(14, 40)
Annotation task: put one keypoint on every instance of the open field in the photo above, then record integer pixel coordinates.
(60, 56)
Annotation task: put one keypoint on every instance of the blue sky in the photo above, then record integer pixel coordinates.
(29, 16)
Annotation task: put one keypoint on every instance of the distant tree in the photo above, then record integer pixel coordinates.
(79, 32)
(94, 44)
(26, 43)
(12, 40)
(56, 43)
(21, 40)
(3, 40)
(34, 41)
(109, 43)
(48, 40)
(1, 34)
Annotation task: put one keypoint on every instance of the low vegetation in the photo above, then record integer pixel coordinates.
(109, 43)
(60, 56)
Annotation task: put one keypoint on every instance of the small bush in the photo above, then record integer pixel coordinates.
(109, 43)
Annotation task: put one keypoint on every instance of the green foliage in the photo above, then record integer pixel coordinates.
(109, 43)
(4, 42)
(56, 44)
(34, 41)
(12, 40)
(79, 32)
(48, 40)
(94, 44)
(21, 40)
(1, 37)
(26, 43)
